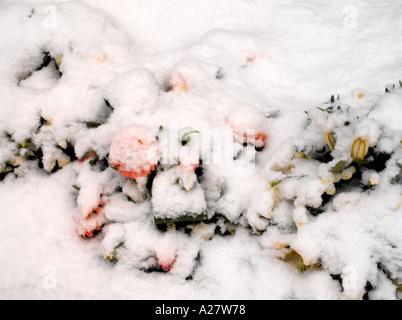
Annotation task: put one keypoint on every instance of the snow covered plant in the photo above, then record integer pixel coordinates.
(174, 190)
(348, 156)
(170, 156)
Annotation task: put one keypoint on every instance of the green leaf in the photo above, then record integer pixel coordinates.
(332, 99)
(329, 109)
(29, 153)
(108, 104)
(184, 136)
(338, 168)
(275, 183)
(112, 256)
(92, 124)
(76, 187)
(22, 144)
(4, 168)
(31, 146)
(184, 218)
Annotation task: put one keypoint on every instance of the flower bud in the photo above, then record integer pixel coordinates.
(359, 149)
(331, 189)
(348, 173)
(330, 140)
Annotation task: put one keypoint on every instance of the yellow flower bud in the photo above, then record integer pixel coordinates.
(359, 149)
(58, 60)
(327, 181)
(331, 190)
(337, 177)
(348, 173)
(374, 179)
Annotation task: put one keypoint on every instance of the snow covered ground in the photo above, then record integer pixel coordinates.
(316, 206)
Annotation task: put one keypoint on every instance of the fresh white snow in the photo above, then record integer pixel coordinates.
(278, 123)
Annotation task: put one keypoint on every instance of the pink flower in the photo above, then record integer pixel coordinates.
(255, 136)
(166, 262)
(248, 126)
(92, 221)
(178, 83)
(89, 154)
(134, 151)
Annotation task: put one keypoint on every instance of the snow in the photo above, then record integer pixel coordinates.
(254, 106)
(171, 201)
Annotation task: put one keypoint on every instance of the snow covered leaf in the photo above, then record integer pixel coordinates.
(172, 203)
(131, 190)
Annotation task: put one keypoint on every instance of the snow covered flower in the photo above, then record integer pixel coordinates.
(134, 152)
(361, 98)
(99, 58)
(165, 264)
(330, 189)
(89, 154)
(166, 259)
(92, 222)
(247, 126)
(254, 136)
(348, 173)
(370, 177)
(189, 73)
(178, 83)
